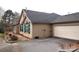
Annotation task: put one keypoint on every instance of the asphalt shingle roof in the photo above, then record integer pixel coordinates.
(41, 17)
(67, 18)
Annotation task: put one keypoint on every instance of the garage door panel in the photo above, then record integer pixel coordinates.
(71, 32)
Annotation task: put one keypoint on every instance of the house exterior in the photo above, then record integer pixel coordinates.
(66, 26)
(41, 26)
(33, 24)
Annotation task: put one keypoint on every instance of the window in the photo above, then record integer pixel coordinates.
(21, 27)
(25, 27)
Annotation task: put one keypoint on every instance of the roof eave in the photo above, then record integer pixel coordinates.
(65, 22)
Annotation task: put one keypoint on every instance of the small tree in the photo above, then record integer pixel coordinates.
(8, 17)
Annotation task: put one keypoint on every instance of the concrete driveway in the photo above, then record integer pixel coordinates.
(35, 45)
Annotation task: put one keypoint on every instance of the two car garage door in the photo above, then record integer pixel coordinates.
(69, 31)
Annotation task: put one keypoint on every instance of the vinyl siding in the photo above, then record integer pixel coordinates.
(41, 30)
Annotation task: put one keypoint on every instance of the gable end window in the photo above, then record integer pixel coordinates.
(25, 27)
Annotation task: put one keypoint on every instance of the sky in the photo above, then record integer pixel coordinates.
(61, 7)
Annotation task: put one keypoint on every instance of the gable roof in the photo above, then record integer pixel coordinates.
(41, 17)
(67, 18)
(38, 17)
(23, 17)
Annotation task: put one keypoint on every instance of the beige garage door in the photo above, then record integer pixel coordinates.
(41, 30)
(70, 32)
